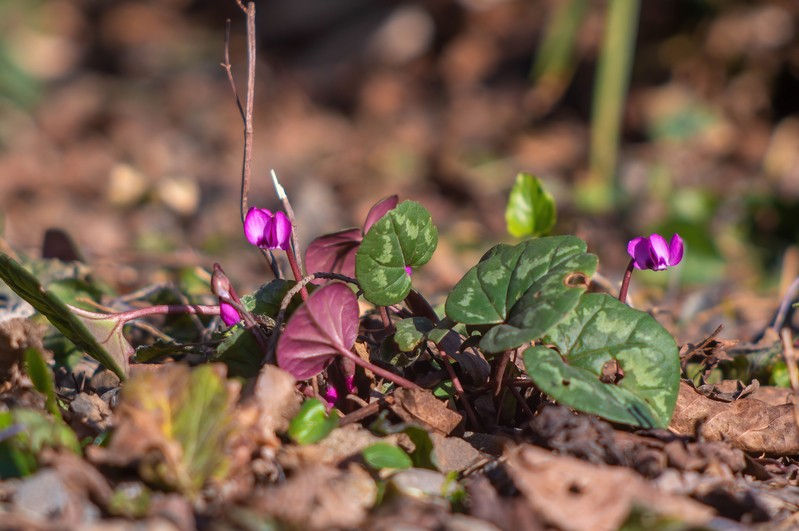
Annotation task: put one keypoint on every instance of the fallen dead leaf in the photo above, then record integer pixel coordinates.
(418, 406)
(15, 336)
(574, 495)
(320, 497)
(276, 400)
(749, 424)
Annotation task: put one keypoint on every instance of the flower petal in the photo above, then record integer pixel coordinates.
(640, 250)
(676, 248)
(257, 224)
(281, 232)
(660, 252)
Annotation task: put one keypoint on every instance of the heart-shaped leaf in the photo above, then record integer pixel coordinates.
(320, 329)
(97, 335)
(405, 237)
(531, 209)
(334, 253)
(524, 289)
(379, 210)
(601, 334)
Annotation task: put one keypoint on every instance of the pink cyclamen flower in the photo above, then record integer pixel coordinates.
(267, 230)
(654, 253)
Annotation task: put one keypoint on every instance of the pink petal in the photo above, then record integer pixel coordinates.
(640, 250)
(676, 249)
(257, 224)
(230, 315)
(660, 252)
(281, 232)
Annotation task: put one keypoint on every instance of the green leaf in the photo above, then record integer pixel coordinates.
(411, 332)
(384, 455)
(23, 434)
(405, 236)
(524, 289)
(531, 209)
(600, 330)
(240, 352)
(266, 300)
(100, 338)
(312, 423)
(42, 378)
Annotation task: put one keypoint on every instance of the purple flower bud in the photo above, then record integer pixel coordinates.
(654, 253)
(229, 314)
(409, 270)
(222, 288)
(267, 230)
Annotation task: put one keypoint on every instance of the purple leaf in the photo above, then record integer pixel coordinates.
(319, 330)
(379, 210)
(334, 253)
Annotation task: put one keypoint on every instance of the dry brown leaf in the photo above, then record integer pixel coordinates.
(343, 443)
(454, 454)
(321, 497)
(277, 402)
(574, 495)
(418, 406)
(748, 424)
(15, 336)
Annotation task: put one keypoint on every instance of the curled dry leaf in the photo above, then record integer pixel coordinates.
(573, 495)
(749, 424)
(418, 406)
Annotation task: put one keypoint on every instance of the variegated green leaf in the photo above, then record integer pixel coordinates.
(524, 289)
(603, 333)
(404, 237)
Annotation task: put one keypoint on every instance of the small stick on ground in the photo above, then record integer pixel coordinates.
(456, 383)
(793, 370)
(366, 411)
(522, 402)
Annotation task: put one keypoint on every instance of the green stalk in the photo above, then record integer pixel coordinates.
(610, 91)
(554, 62)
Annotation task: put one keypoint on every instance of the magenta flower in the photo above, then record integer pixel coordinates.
(267, 230)
(654, 253)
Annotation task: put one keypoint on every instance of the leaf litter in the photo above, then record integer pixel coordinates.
(178, 447)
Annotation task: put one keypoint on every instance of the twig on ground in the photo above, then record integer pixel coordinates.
(367, 411)
(522, 402)
(787, 299)
(793, 370)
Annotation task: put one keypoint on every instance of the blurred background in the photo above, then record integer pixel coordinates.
(118, 125)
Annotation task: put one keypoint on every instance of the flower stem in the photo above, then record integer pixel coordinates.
(164, 309)
(625, 283)
(383, 373)
(296, 270)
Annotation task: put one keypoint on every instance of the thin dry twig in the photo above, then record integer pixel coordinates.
(793, 370)
(284, 199)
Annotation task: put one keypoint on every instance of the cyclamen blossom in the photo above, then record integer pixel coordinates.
(267, 230)
(654, 253)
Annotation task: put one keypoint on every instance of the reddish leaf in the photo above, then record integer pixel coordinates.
(379, 210)
(334, 253)
(319, 330)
